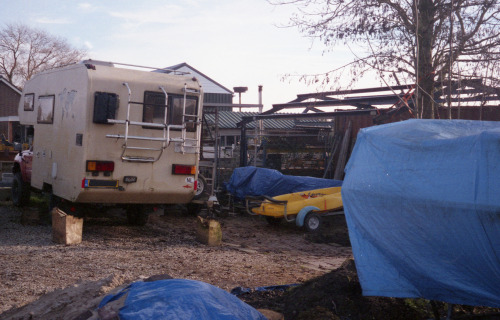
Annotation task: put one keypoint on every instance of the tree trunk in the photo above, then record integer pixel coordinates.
(425, 70)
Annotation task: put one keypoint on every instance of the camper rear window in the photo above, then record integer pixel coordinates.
(105, 105)
(45, 109)
(154, 107)
(176, 114)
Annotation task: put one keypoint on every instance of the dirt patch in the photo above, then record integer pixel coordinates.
(252, 254)
(335, 295)
(338, 295)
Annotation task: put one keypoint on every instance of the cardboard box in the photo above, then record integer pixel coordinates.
(66, 229)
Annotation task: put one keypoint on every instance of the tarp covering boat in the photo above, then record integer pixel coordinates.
(422, 203)
(180, 299)
(253, 181)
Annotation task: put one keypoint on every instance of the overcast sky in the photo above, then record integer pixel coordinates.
(234, 42)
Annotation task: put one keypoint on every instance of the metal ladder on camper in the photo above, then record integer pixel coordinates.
(163, 141)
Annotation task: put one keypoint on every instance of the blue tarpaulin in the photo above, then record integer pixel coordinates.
(422, 203)
(180, 299)
(253, 181)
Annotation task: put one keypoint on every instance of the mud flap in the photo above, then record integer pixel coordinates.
(299, 221)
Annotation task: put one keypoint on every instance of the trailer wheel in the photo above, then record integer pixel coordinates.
(20, 191)
(137, 215)
(312, 222)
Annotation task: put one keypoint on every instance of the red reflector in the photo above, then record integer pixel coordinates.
(183, 169)
(196, 185)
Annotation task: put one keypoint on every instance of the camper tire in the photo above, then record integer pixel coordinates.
(201, 188)
(312, 222)
(20, 191)
(137, 215)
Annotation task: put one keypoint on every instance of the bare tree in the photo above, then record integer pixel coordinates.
(426, 41)
(25, 51)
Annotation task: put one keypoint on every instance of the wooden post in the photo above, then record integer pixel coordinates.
(10, 132)
(339, 171)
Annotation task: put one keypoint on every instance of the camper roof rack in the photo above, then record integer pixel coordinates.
(112, 64)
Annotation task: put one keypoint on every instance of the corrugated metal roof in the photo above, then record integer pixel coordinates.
(229, 119)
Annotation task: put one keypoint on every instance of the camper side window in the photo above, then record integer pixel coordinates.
(191, 112)
(46, 109)
(29, 101)
(154, 107)
(105, 105)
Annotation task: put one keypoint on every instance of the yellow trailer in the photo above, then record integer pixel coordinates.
(304, 207)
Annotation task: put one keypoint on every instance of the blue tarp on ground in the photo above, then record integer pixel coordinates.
(253, 181)
(180, 299)
(422, 203)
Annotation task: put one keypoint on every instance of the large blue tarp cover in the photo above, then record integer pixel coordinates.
(253, 181)
(422, 203)
(180, 299)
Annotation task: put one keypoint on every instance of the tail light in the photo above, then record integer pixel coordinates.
(183, 169)
(100, 166)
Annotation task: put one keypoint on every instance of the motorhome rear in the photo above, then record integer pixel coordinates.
(104, 134)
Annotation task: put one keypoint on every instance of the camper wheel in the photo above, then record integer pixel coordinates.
(201, 188)
(312, 222)
(137, 215)
(20, 191)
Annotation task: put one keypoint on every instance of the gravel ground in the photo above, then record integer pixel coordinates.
(252, 254)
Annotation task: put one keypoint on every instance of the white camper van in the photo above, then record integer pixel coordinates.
(110, 135)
